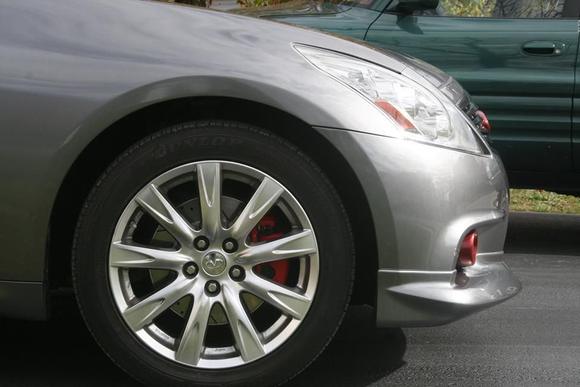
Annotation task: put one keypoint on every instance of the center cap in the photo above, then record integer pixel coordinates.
(213, 263)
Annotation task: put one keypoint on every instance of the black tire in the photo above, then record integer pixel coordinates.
(183, 144)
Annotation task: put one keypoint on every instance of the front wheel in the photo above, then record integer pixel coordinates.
(213, 253)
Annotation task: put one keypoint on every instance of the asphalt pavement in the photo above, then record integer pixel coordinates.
(530, 340)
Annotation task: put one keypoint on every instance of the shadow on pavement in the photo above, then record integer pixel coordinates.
(61, 352)
(535, 233)
(359, 355)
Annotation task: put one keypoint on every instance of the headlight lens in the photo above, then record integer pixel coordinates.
(417, 112)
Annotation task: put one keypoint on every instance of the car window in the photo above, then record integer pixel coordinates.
(513, 9)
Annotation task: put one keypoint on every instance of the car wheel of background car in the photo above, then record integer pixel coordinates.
(213, 253)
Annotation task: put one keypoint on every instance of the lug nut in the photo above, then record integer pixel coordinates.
(237, 273)
(190, 269)
(212, 288)
(201, 243)
(230, 245)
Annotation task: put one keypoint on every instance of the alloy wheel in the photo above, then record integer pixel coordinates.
(213, 264)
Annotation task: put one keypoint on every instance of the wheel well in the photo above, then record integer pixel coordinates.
(111, 142)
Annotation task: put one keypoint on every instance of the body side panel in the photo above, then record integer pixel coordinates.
(68, 73)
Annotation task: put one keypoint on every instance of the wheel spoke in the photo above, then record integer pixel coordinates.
(246, 336)
(191, 343)
(153, 201)
(209, 185)
(145, 311)
(296, 245)
(137, 257)
(284, 299)
(263, 199)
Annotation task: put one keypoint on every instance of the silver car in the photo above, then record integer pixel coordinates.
(215, 188)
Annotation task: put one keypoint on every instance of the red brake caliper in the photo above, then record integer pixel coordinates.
(265, 232)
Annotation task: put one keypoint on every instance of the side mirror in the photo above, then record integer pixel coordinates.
(410, 6)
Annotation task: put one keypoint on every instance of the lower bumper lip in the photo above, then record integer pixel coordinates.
(427, 298)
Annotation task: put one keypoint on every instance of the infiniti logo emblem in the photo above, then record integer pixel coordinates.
(213, 263)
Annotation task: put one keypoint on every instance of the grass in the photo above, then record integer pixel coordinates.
(543, 201)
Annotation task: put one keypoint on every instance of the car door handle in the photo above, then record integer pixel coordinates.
(544, 48)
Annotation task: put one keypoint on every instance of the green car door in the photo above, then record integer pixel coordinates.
(576, 125)
(516, 57)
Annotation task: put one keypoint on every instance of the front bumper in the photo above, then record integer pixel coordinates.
(424, 200)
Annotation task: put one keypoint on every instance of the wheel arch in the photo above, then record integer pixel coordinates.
(110, 142)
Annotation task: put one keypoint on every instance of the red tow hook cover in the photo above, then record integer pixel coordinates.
(468, 251)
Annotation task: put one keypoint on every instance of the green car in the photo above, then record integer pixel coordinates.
(517, 58)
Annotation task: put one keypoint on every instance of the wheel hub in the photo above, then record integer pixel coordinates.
(214, 263)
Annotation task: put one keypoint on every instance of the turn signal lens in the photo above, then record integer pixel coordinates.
(396, 115)
(468, 251)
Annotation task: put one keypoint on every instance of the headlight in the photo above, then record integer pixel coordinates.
(418, 113)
